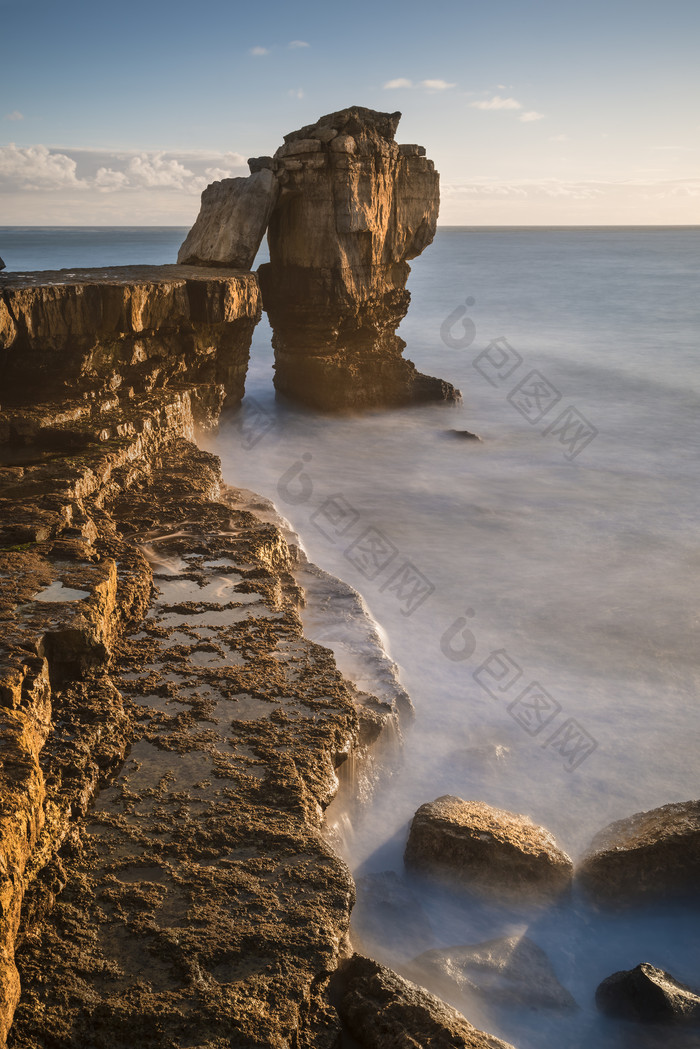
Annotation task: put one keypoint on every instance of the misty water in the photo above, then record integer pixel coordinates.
(555, 564)
(552, 568)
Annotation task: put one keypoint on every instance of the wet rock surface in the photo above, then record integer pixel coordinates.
(652, 854)
(486, 849)
(200, 900)
(385, 1011)
(511, 971)
(647, 995)
(168, 736)
(354, 208)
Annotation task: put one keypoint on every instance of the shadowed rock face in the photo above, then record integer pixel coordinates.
(646, 994)
(354, 208)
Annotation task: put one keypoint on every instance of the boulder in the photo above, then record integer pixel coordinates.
(2, 265)
(508, 971)
(231, 222)
(486, 849)
(650, 854)
(648, 995)
(385, 1011)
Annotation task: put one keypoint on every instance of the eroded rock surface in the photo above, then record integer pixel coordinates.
(511, 971)
(486, 849)
(355, 207)
(651, 854)
(187, 896)
(385, 1011)
(648, 995)
(126, 332)
(232, 221)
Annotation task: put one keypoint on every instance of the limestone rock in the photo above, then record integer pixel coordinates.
(486, 849)
(8, 328)
(385, 1011)
(647, 994)
(125, 331)
(508, 971)
(256, 164)
(231, 222)
(354, 210)
(650, 854)
(2, 265)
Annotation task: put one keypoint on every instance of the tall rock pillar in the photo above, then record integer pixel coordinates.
(354, 207)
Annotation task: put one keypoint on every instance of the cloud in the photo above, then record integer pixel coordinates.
(296, 92)
(530, 116)
(436, 85)
(14, 115)
(39, 168)
(429, 85)
(558, 138)
(297, 43)
(259, 51)
(36, 168)
(497, 103)
(536, 190)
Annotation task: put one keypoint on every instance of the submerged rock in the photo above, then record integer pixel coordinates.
(650, 854)
(355, 207)
(465, 435)
(385, 1011)
(508, 971)
(487, 849)
(232, 222)
(387, 912)
(647, 994)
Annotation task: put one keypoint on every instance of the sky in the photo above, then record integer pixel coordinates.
(535, 113)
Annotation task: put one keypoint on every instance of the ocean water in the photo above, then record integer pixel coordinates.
(538, 589)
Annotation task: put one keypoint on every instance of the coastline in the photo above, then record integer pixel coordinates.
(171, 738)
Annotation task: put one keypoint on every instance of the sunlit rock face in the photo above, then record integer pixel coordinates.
(354, 207)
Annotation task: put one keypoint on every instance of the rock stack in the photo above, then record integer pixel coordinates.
(346, 207)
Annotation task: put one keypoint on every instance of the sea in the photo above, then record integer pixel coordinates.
(538, 588)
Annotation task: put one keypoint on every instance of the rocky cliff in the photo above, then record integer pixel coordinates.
(168, 736)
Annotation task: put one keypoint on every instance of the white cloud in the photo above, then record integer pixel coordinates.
(259, 51)
(14, 115)
(436, 85)
(39, 168)
(392, 85)
(297, 43)
(497, 103)
(558, 138)
(36, 167)
(154, 170)
(296, 92)
(107, 180)
(530, 116)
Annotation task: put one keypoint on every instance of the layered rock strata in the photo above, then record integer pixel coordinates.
(347, 208)
(196, 897)
(108, 336)
(355, 207)
(169, 739)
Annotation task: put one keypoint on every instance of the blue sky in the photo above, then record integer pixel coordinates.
(534, 112)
